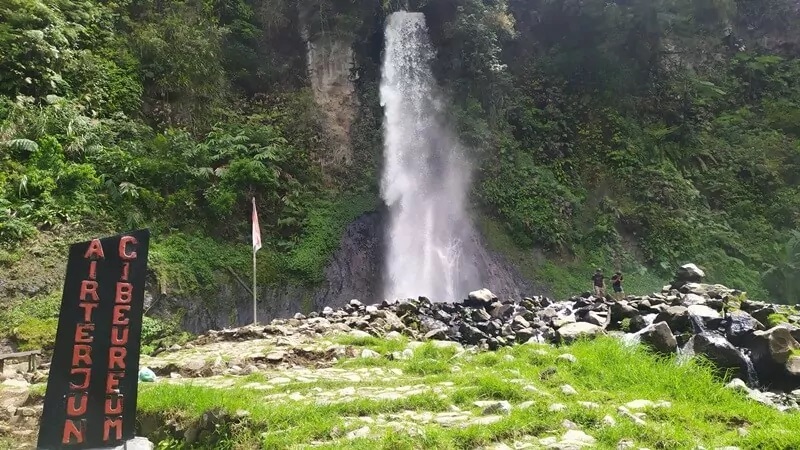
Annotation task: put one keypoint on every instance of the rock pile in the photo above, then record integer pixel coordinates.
(753, 341)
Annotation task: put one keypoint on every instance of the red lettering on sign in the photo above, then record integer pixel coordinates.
(114, 405)
(124, 291)
(93, 270)
(95, 250)
(112, 382)
(116, 424)
(123, 251)
(119, 335)
(87, 310)
(118, 318)
(82, 335)
(81, 353)
(73, 429)
(116, 358)
(89, 287)
(87, 375)
(80, 410)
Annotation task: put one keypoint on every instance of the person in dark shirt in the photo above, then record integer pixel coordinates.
(599, 284)
(616, 285)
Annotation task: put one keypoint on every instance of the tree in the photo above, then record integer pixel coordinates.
(782, 277)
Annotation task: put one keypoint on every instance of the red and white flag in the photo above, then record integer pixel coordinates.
(256, 229)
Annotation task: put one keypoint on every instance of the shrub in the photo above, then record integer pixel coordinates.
(34, 334)
(776, 319)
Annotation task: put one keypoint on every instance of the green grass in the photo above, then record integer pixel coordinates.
(31, 323)
(326, 221)
(287, 421)
(703, 411)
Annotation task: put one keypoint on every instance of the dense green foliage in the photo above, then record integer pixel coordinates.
(170, 115)
(614, 132)
(638, 134)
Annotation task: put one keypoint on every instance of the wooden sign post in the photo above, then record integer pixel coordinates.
(92, 388)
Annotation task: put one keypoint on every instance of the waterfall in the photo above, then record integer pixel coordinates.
(425, 176)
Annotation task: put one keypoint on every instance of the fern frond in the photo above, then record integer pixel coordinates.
(22, 144)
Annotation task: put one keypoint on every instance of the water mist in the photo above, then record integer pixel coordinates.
(426, 176)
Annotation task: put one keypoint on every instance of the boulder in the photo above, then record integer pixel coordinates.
(494, 407)
(501, 311)
(519, 322)
(471, 335)
(751, 305)
(693, 299)
(721, 352)
(739, 325)
(623, 310)
(677, 317)
(409, 306)
(660, 338)
(427, 324)
(480, 315)
(777, 342)
(707, 290)
(547, 315)
(392, 322)
(793, 365)
(573, 331)
(560, 321)
(688, 273)
(358, 334)
(13, 394)
(355, 303)
(762, 314)
(480, 298)
(442, 316)
(196, 368)
(574, 439)
(369, 354)
(596, 318)
(524, 335)
(703, 312)
(493, 328)
(276, 356)
(638, 323)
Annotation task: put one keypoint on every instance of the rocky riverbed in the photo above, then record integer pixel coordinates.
(753, 341)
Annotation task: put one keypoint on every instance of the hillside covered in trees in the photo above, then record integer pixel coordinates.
(633, 134)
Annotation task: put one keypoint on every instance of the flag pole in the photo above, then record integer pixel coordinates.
(256, 247)
(255, 320)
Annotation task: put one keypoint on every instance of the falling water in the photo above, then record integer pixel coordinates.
(426, 176)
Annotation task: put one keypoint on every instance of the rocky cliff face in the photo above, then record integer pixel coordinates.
(330, 60)
(354, 272)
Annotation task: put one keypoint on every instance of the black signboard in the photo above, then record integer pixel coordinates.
(91, 392)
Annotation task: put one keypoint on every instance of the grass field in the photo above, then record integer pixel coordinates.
(443, 382)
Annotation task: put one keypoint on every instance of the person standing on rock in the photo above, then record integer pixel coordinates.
(616, 285)
(599, 283)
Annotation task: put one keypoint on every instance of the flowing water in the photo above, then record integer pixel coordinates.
(426, 176)
(687, 352)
